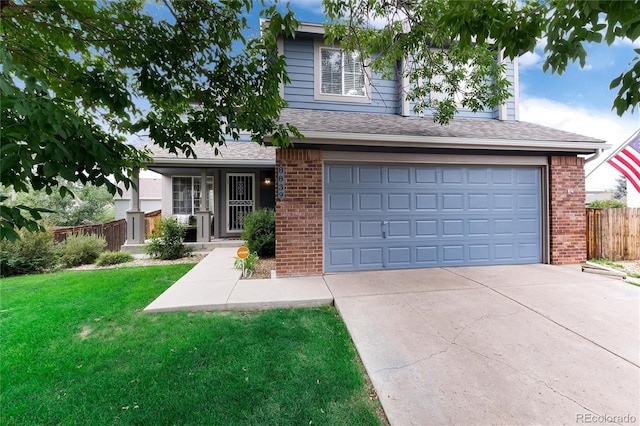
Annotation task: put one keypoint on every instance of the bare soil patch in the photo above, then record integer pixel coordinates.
(263, 269)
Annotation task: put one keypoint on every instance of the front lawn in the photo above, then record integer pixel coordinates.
(76, 349)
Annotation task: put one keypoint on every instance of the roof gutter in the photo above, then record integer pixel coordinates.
(405, 141)
(208, 162)
(594, 156)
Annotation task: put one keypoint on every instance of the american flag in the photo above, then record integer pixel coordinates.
(627, 161)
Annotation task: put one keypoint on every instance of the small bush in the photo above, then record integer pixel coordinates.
(168, 243)
(605, 204)
(81, 249)
(247, 265)
(260, 232)
(113, 258)
(34, 252)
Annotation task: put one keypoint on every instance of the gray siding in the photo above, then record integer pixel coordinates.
(298, 93)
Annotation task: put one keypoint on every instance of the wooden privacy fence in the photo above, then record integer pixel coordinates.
(613, 234)
(151, 222)
(115, 232)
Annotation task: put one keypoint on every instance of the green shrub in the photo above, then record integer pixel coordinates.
(605, 204)
(81, 249)
(113, 258)
(247, 265)
(260, 232)
(33, 252)
(168, 243)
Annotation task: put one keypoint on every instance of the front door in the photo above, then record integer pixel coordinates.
(240, 199)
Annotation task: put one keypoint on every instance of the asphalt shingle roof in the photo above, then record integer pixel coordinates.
(345, 123)
(390, 124)
(232, 151)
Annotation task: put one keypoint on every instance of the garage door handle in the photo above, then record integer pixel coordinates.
(384, 229)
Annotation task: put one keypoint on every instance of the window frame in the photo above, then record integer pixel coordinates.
(194, 199)
(317, 78)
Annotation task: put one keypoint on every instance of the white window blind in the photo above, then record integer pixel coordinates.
(342, 73)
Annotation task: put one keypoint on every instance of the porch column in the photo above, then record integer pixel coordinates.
(135, 217)
(203, 217)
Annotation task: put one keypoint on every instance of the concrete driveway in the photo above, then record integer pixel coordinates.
(526, 344)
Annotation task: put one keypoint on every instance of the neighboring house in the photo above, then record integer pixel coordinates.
(150, 194)
(592, 196)
(372, 186)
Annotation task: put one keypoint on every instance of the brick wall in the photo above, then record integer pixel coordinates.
(299, 214)
(567, 211)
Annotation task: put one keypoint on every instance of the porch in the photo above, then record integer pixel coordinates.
(209, 194)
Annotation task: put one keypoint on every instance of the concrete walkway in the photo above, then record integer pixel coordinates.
(213, 284)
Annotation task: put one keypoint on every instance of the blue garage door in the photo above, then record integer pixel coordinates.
(394, 217)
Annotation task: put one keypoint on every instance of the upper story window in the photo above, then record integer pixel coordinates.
(339, 75)
(342, 73)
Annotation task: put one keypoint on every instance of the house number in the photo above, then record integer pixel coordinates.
(281, 182)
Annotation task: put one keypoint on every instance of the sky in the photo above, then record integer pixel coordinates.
(578, 101)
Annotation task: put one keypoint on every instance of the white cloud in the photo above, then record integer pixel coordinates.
(604, 125)
(529, 60)
(626, 42)
(533, 59)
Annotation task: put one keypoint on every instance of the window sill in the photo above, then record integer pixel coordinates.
(342, 98)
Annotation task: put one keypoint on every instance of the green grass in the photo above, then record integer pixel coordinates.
(76, 349)
(611, 264)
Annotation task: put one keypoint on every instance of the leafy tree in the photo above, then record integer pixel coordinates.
(620, 190)
(77, 76)
(90, 204)
(443, 37)
(605, 204)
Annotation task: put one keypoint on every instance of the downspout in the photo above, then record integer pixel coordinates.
(594, 156)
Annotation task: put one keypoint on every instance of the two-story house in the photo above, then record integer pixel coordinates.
(374, 186)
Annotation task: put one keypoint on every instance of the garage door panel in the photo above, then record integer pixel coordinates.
(340, 202)
(479, 252)
(341, 257)
(340, 174)
(399, 229)
(452, 202)
(426, 228)
(370, 257)
(370, 229)
(479, 201)
(479, 227)
(528, 177)
(399, 256)
(370, 202)
(425, 175)
(526, 202)
(341, 229)
(426, 202)
(370, 174)
(413, 219)
(452, 176)
(399, 202)
(398, 175)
